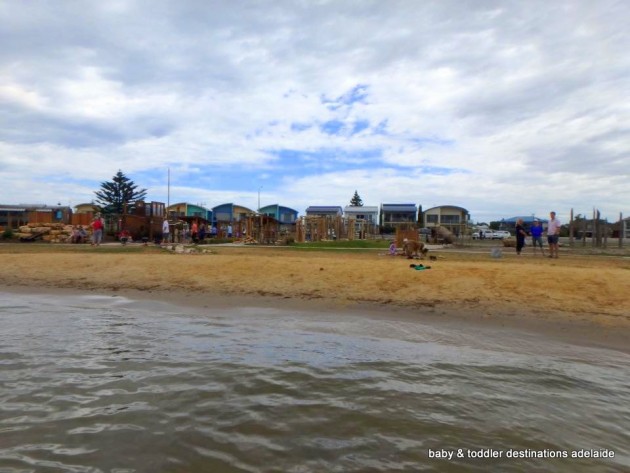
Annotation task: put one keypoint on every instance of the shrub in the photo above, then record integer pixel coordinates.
(7, 234)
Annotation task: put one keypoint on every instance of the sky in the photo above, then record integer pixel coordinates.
(504, 108)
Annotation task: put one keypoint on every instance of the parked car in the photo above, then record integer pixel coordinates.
(501, 234)
(483, 234)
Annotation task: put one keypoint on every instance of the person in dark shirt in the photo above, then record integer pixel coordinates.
(520, 236)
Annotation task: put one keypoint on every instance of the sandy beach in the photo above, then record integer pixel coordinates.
(581, 289)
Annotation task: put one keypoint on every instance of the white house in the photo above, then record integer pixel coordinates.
(366, 213)
(365, 219)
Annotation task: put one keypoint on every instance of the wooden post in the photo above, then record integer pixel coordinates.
(593, 230)
(599, 230)
(620, 230)
(584, 231)
(309, 226)
(299, 230)
(304, 228)
(571, 229)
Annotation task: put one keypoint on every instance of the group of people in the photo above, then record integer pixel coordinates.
(199, 232)
(196, 232)
(78, 235)
(536, 232)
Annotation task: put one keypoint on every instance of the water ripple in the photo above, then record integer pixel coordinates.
(263, 390)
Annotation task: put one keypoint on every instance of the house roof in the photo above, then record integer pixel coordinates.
(279, 207)
(232, 206)
(360, 209)
(448, 206)
(32, 207)
(324, 208)
(399, 207)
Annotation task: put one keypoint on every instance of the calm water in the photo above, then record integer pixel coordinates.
(106, 384)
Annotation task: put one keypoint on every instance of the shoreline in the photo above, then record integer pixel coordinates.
(573, 332)
(578, 294)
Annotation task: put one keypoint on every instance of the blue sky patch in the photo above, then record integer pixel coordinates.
(332, 127)
(359, 126)
(300, 126)
(358, 94)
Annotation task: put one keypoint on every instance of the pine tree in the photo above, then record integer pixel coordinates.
(119, 193)
(356, 200)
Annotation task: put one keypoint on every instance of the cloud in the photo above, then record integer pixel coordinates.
(503, 108)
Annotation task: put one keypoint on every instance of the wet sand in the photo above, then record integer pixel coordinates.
(581, 293)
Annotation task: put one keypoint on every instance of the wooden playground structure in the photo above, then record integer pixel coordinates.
(322, 228)
(256, 229)
(262, 229)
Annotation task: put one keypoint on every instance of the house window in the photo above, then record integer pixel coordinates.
(157, 210)
(399, 217)
(450, 219)
(432, 219)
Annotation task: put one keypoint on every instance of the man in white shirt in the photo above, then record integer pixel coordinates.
(553, 234)
(165, 232)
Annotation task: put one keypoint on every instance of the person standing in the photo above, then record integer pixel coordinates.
(166, 232)
(97, 230)
(194, 231)
(520, 236)
(553, 234)
(536, 231)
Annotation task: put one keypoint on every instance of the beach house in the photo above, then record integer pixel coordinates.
(398, 216)
(365, 219)
(230, 219)
(450, 217)
(324, 211)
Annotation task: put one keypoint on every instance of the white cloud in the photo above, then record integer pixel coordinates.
(525, 101)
